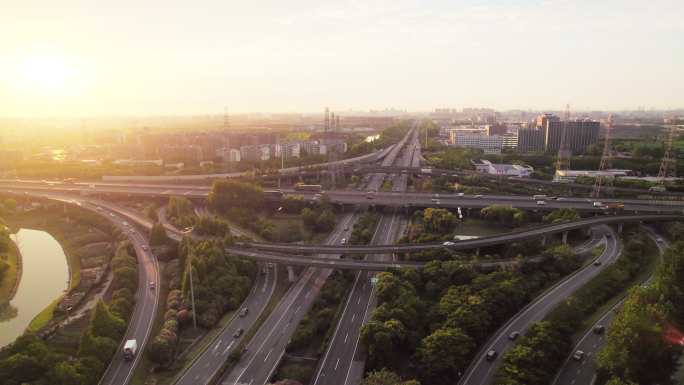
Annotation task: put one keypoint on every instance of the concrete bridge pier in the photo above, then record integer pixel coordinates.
(477, 252)
(543, 240)
(290, 274)
(565, 237)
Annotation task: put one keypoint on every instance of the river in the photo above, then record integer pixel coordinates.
(44, 278)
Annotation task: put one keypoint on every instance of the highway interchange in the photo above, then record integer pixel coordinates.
(338, 365)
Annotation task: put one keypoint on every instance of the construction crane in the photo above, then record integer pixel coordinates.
(606, 159)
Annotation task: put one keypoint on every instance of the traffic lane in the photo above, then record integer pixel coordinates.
(591, 343)
(268, 345)
(482, 371)
(336, 367)
(466, 244)
(395, 198)
(204, 368)
(140, 325)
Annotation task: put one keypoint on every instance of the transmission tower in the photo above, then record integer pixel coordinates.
(226, 121)
(606, 159)
(668, 166)
(563, 161)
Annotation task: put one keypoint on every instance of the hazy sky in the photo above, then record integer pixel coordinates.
(81, 57)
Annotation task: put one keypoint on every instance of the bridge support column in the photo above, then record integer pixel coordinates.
(290, 274)
(565, 237)
(544, 240)
(620, 228)
(477, 252)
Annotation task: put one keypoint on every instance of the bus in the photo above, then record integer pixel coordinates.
(308, 187)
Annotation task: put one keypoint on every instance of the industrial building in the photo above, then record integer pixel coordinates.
(517, 170)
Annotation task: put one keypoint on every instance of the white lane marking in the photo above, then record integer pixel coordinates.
(268, 354)
(358, 301)
(337, 363)
(345, 337)
(217, 346)
(353, 316)
(228, 347)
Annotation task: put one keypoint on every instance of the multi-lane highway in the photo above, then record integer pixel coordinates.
(506, 238)
(120, 371)
(583, 371)
(481, 371)
(348, 197)
(340, 364)
(206, 365)
(266, 348)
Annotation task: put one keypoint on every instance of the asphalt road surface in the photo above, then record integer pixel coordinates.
(580, 372)
(481, 371)
(204, 368)
(119, 371)
(267, 346)
(338, 366)
(394, 199)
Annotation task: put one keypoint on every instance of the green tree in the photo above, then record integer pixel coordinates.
(225, 194)
(106, 324)
(158, 235)
(504, 214)
(443, 354)
(326, 221)
(562, 215)
(385, 377)
(67, 374)
(438, 221)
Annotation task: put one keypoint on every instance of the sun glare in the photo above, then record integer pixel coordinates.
(47, 74)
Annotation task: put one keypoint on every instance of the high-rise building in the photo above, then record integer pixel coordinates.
(579, 134)
(531, 140)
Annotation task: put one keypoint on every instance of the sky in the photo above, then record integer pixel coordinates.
(84, 57)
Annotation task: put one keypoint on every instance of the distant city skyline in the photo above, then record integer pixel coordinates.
(78, 58)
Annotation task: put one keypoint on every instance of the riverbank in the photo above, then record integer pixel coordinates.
(10, 283)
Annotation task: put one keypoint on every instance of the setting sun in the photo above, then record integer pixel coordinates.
(46, 74)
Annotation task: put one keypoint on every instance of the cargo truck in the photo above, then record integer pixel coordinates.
(130, 348)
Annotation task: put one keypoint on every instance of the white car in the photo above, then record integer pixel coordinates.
(541, 203)
(448, 243)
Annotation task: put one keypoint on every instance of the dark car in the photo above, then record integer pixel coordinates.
(599, 329)
(238, 333)
(491, 355)
(514, 336)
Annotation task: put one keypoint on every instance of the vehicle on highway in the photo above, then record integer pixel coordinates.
(188, 229)
(460, 194)
(478, 196)
(434, 200)
(448, 243)
(243, 312)
(308, 187)
(152, 285)
(578, 355)
(597, 204)
(346, 228)
(145, 247)
(130, 349)
(491, 355)
(344, 241)
(599, 329)
(541, 203)
(538, 197)
(597, 263)
(125, 223)
(514, 336)
(238, 333)
(435, 195)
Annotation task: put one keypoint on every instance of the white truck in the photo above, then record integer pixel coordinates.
(129, 349)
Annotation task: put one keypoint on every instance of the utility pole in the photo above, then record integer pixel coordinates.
(192, 299)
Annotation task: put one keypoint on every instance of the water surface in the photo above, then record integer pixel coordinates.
(44, 278)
